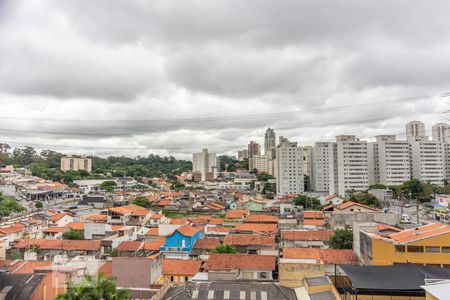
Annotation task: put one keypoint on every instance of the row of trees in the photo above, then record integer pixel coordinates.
(46, 164)
(8, 206)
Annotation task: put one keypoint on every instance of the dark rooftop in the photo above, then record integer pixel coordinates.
(322, 296)
(19, 286)
(313, 281)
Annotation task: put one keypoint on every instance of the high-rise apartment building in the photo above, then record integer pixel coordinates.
(388, 161)
(289, 168)
(415, 130)
(269, 140)
(427, 161)
(441, 132)
(350, 165)
(260, 163)
(253, 149)
(71, 163)
(242, 154)
(204, 165)
(322, 155)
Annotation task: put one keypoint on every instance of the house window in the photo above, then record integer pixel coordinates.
(186, 278)
(262, 275)
(432, 249)
(415, 249)
(171, 278)
(445, 249)
(400, 248)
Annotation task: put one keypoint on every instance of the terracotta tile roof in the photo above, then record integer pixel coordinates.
(261, 219)
(181, 267)
(57, 217)
(178, 221)
(218, 261)
(306, 235)
(98, 218)
(312, 222)
(188, 230)
(312, 215)
(219, 229)
(12, 229)
(164, 202)
(132, 209)
(420, 233)
(76, 225)
(382, 227)
(237, 214)
(328, 256)
(328, 207)
(106, 269)
(155, 245)
(208, 244)
(256, 227)
(55, 230)
(249, 240)
(70, 245)
(153, 231)
(351, 203)
(215, 206)
(329, 197)
(29, 266)
(153, 198)
(130, 246)
(156, 217)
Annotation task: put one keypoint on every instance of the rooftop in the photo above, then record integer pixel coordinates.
(247, 240)
(306, 235)
(218, 261)
(184, 267)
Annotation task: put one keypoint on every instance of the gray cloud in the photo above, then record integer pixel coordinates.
(173, 76)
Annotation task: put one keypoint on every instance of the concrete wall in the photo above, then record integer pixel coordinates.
(291, 274)
(343, 219)
(133, 272)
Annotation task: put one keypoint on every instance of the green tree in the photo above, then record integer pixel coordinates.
(8, 206)
(142, 201)
(225, 248)
(95, 288)
(342, 239)
(73, 234)
(377, 186)
(308, 202)
(264, 177)
(364, 198)
(38, 205)
(108, 185)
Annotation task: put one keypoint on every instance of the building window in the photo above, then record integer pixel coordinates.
(262, 275)
(186, 278)
(171, 278)
(445, 249)
(415, 249)
(432, 249)
(400, 248)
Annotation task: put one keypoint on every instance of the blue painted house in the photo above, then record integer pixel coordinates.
(179, 244)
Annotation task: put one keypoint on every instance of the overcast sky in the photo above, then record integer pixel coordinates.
(171, 77)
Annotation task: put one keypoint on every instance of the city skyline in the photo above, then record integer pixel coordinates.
(173, 81)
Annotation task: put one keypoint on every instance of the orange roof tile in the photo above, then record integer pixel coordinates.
(98, 218)
(208, 244)
(219, 229)
(237, 214)
(154, 231)
(312, 215)
(249, 239)
(29, 266)
(106, 269)
(164, 202)
(347, 204)
(221, 261)
(12, 229)
(57, 217)
(130, 246)
(382, 227)
(188, 230)
(132, 209)
(181, 267)
(178, 221)
(256, 227)
(261, 219)
(420, 233)
(306, 235)
(76, 225)
(70, 245)
(156, 217)
(155, 245)
(328, 256)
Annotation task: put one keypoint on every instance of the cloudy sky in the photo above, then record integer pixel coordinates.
(171, 77)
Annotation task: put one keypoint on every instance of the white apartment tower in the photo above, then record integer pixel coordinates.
(321, 158)
(269, 140)
(427, 160)
(388, 161)
(350, 165)
(205, 163)
(289, 168)
(441, 132)
(415, 130)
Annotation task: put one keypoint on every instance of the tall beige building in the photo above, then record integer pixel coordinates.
(289, 168)
(441, 132)
(71, 163)
(415, 130)
(205, 164)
